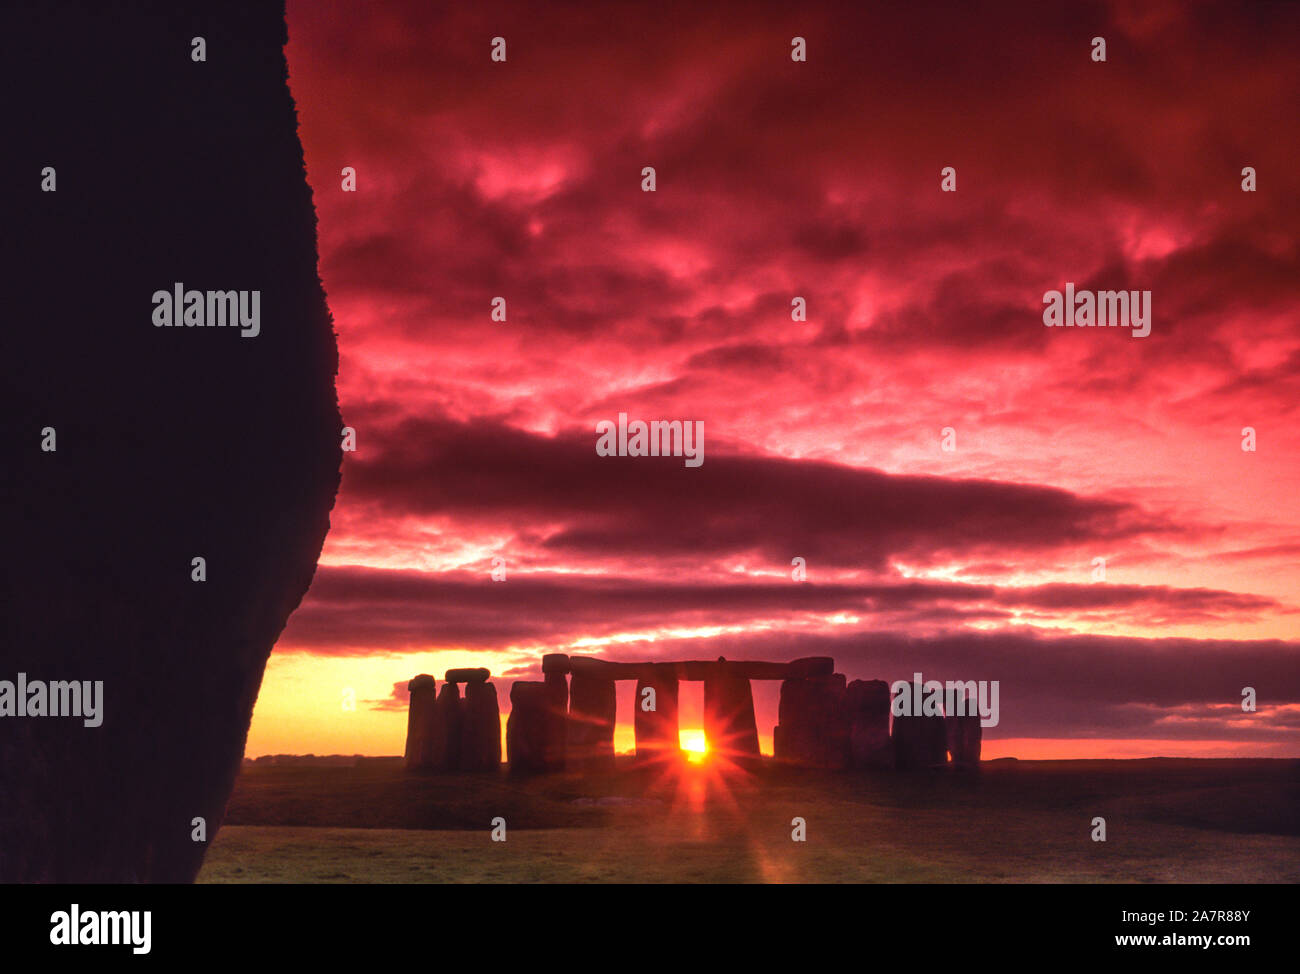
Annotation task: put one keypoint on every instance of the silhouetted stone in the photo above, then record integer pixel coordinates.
(422, 729)
(480, 736)
(965, 735)
(657, 735)
(555, 746)
(526, 727)
(758, 670)
(172, 443)
(794, 737)
(555, 663)
(449, 722)
(729, 725)
(813, 727)
(468, 674)
(919, 741)
(695, 670)
(810, 667)
(867, 706)
(935, 735)
(744, 669)
(608, 669)
(592, 709)
(837, 721)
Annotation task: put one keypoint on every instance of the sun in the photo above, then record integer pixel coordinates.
(693, 744)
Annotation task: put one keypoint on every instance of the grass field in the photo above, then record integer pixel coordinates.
(1167, 820)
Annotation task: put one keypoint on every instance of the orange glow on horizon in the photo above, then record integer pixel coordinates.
(300, 710)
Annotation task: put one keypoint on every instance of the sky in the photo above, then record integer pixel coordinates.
(824, 439)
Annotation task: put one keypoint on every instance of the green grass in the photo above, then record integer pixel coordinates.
(1167, 821)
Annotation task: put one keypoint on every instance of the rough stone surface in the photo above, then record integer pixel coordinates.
(172, 443)
(468, 674)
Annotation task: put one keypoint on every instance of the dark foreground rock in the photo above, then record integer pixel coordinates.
(171, 442)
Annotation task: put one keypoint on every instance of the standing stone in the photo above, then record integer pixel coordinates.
(448, 721)
(814, 723)
(480, 740)
(936, 742)
(867, 703)
(729, 725)
(657, 736)
(592, 708)
(965, 735)
(793, 737)
(526, 727)
(836, 724)
(421, 723)
(557, 715)
(920, 741)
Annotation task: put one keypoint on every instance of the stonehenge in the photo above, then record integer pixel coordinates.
(565, 721)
